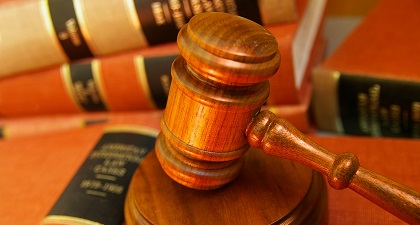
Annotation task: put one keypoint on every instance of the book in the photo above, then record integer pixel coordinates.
(12, 128)
(39, 34)
(298, 44)
(135, 80)
(21, 127)
(128, 81)
(38, 169)
(96, 193)
(370, 84)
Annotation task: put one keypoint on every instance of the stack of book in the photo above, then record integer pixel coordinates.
(71, 57)
(75, 67)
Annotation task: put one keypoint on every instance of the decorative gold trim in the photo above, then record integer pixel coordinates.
(59, 219)
(142, 78)
(338, 123)
(97, 77)
(133, 129)
(81, 19)
(135, 21)
(68, 84)
(45, 12)
(5, 132)
(132, 14)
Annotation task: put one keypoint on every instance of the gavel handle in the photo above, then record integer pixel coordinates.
(278, 137)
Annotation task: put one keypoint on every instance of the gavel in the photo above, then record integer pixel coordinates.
(213, 115)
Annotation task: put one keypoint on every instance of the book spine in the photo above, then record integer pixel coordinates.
(96, 193)
(123, 83)
(92, 88)
(25, 127)
(59, 31)
(357, 104)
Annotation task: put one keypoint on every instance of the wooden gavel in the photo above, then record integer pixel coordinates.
(219, 84)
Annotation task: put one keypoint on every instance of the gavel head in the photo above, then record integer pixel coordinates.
(219, 83)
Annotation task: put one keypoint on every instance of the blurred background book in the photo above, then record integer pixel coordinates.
(128, 75)
(370, 84)
(39, 33)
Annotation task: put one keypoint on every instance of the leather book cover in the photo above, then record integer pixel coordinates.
(37, 170)
(370, 84)
(43, 33)
(136, 80)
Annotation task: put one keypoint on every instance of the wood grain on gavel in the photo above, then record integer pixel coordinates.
(212, 116)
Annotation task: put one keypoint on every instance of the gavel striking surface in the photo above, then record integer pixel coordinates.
(268, 190)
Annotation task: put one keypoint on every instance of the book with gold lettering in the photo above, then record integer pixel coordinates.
(96, 193)
(128, 81)
(136, 80)
(370, 85)
(78, 176)
(41, 33)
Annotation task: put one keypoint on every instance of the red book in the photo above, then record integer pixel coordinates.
(137, 80)
(370, 85)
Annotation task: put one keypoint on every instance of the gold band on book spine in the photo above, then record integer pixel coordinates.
(29, 42)
(97, 77)
(4, 132)
(67, 220)
(68, 84)
(142, 79)
(135, 22)
(97, 85)
(107, 34)
(81, 18)
(325, 104)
